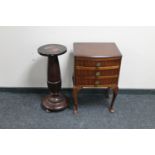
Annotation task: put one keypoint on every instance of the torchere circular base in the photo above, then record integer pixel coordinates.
(54, 102)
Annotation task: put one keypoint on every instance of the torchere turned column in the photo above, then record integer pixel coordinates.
(55, 101)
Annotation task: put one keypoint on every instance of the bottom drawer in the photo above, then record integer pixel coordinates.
(96, 82)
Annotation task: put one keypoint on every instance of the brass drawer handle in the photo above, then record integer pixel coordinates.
(98, 73)
(98, 64)
(97, 82)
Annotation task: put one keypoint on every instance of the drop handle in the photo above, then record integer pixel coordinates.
(98, 64)
(97, 82)
(98, 73)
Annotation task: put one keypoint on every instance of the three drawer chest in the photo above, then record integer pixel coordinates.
(96, 65)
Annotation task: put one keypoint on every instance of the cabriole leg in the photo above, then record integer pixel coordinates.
(115, 92)
(75, 97)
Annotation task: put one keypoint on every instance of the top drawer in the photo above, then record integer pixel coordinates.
(97, 62)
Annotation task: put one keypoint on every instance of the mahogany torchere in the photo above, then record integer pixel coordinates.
(96, 65)
(55, 100)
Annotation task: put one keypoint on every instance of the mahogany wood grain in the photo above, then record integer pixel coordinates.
(96, 65)
(96, 50)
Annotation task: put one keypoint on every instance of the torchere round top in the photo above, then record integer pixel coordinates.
(52, 49)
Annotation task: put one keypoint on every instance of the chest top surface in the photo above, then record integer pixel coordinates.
(96, 50)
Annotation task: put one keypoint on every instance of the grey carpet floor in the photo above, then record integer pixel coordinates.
(22, 110)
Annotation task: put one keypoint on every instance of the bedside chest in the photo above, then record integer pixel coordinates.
(96, 65)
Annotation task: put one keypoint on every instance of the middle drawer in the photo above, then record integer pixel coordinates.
(96, 72)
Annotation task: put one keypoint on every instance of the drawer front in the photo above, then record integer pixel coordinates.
(97, 62)
(96, 82)
(96, 73)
